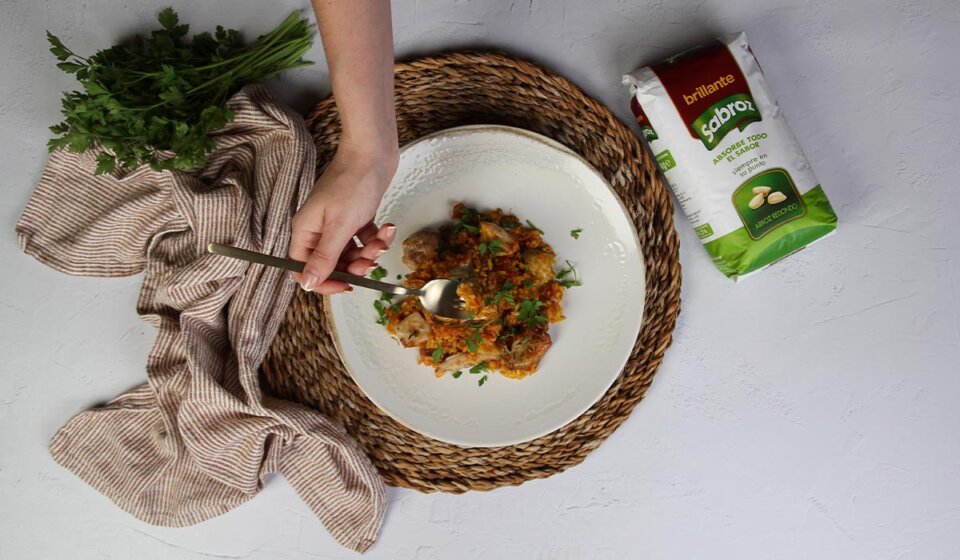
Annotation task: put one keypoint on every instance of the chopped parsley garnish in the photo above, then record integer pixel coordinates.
(575, 233)
(381, 312)
(493, 247)
(508, 223)
(437, 354)
(527, 283)
(482, 381)
(399, 276)
(564, 277)
(474, 341)
(504, 294)
(530, 313)
(463, 222)
(395, 307)
(378, 273)
(534, 227)
(481, 367)
(457, 374)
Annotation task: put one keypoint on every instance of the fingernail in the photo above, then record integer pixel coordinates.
(309, 282)
(369, 270)
(380, 252)
(349, 289)
(390, 230)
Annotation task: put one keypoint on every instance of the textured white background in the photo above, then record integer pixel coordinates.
(810, 412)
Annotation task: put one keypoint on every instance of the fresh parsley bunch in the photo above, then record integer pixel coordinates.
(156, 99)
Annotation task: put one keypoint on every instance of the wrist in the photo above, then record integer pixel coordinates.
(380, 153)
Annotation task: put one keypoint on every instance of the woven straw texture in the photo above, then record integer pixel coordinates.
(439, 92)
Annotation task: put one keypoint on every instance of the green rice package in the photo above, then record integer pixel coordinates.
(729, 156)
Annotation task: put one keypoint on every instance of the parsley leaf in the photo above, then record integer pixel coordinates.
(504, 294)
(457, 374)
(58, 49)
(467, 215)
(481, 367)
(381, 312)
(530, 313)
(482, 381)
(493, 247)
(509, 223)
(564, 277)
(575, 233)
(168, 18)
(378, 273)
(105, 163)
(437, 354)
(474, 341)
(534, 227)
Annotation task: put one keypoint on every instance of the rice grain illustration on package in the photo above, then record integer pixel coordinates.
(729, 156)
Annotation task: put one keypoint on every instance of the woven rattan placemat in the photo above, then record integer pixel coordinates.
(438, 92)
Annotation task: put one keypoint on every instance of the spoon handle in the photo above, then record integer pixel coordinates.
(297, 266)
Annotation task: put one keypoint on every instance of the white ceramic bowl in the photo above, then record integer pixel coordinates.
(488, 167)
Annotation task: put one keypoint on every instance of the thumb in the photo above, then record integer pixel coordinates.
(326, 254)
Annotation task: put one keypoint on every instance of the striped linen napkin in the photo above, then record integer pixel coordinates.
(199, 438)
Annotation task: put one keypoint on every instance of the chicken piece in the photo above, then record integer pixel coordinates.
(490, 231)
(413, 329)
(527, 351)
(420, 247)
(456, 362)
(540, 264)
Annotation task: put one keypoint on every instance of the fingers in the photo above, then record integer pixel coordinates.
(388, 233)
(302, 243)
(361, 267)
(316, 249)
(367, 232)
(325, 255)
(365, 235)
(373, 249)
(374, 245)
(332, 287)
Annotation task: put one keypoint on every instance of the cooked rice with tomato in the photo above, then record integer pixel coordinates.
(509, 286)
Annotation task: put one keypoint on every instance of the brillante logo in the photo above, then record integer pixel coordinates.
(735, 111)
(704, 90)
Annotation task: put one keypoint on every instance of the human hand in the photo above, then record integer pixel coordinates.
(342, 204)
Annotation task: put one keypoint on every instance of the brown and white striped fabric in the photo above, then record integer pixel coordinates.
(199, 438)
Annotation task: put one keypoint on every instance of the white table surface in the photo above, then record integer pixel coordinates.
(809, 412)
